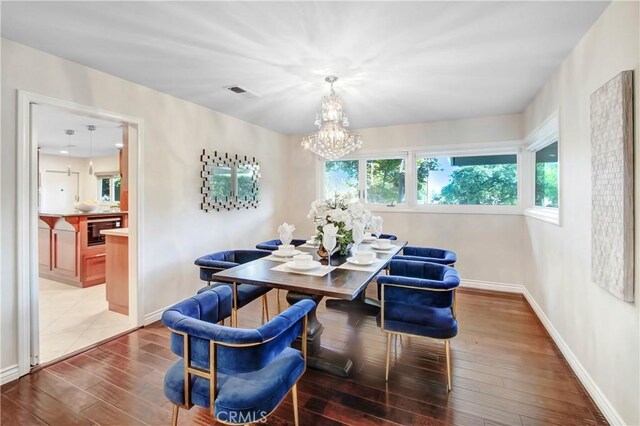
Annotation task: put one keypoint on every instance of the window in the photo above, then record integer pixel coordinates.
(468, 180)
(543, 171)
(484, 180)
(109, 189)
(341, 178)
(386, 181)
(381, 181)
(546, 176)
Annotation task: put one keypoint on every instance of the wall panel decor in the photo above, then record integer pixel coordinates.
(612, 186)
(229, 182)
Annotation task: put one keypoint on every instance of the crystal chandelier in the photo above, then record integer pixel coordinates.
(332, 140)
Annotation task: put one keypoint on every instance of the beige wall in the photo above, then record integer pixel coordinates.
(176, 232)
(490, 247)
(601, 330)
(88, 183)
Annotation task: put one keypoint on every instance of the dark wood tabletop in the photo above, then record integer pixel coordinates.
(339, 283)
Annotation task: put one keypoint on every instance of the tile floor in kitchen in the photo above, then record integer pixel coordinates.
(72, 318)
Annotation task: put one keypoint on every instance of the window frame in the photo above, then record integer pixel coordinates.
(541, 137)
(411, 156)
(112, 192)
(362, 159)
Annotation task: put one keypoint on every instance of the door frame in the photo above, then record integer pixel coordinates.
(27, 215)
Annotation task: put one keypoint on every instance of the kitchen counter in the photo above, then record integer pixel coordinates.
(70, 248)
(117, 269)
(80, 214)
(116, 232)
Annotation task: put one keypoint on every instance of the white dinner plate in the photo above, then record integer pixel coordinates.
(355, 261)
(278, 253)
(311, 265)
(312, 242)
(377, 247)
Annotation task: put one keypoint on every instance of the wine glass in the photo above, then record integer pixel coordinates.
(329, 243)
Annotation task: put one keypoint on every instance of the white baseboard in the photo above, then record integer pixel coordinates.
(487, 285)
(581, 373)
(154, 316)
(589, 384)
(9, 374)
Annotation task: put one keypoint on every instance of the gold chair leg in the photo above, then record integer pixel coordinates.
(278, 296)
(447, 350)
(265, 307)
(294, 395)
(386, 370)
(234, 316)
(174, 417)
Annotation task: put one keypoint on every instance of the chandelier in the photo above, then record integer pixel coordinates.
(332, 140)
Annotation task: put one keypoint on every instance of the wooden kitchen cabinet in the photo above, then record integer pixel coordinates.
(65, 252)
(117, 242)
(94, 268)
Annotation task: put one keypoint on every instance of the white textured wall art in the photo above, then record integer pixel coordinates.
(612, 186)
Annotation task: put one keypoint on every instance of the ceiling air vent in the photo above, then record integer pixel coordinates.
(245, 93)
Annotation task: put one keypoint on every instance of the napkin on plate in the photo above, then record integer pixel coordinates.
(358, 232)
(329, 236)
(376, 225)
(286, 233)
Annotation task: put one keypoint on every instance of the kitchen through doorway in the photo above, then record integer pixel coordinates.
(83, 290)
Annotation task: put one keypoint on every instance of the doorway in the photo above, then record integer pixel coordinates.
(78, 196)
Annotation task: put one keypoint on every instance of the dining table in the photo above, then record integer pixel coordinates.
(340, 279)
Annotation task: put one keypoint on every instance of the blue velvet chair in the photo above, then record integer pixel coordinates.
(418, 298)
(245, 293)
(272, 245)
(240, 375)
(428, 254)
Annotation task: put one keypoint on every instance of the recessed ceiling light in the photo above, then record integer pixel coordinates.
(64, 152)
(119, 145)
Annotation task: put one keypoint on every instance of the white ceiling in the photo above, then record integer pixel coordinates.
(51, 124)
(398, 62)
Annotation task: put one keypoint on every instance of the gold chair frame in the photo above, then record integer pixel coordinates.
(211, 375)
(447, 342)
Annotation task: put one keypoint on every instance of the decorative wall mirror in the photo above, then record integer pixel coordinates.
(229, 182)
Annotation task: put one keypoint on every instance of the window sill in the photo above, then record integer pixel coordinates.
(544, 214)
(448, 209)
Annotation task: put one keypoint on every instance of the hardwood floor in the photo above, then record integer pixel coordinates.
(506, 371)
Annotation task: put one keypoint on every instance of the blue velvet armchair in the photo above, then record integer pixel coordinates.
(418, 298)
(428, 254)
(240, 375)
(272, 245)
(243, 293)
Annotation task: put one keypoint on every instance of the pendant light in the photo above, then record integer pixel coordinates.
(91, 129)
(69, 133)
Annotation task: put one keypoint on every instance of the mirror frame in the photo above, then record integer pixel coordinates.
(212, 160)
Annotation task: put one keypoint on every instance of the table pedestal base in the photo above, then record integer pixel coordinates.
(361, 304)
(320, 358)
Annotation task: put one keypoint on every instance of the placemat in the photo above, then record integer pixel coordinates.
(318, 272)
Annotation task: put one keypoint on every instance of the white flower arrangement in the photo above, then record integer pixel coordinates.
(344, 214)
